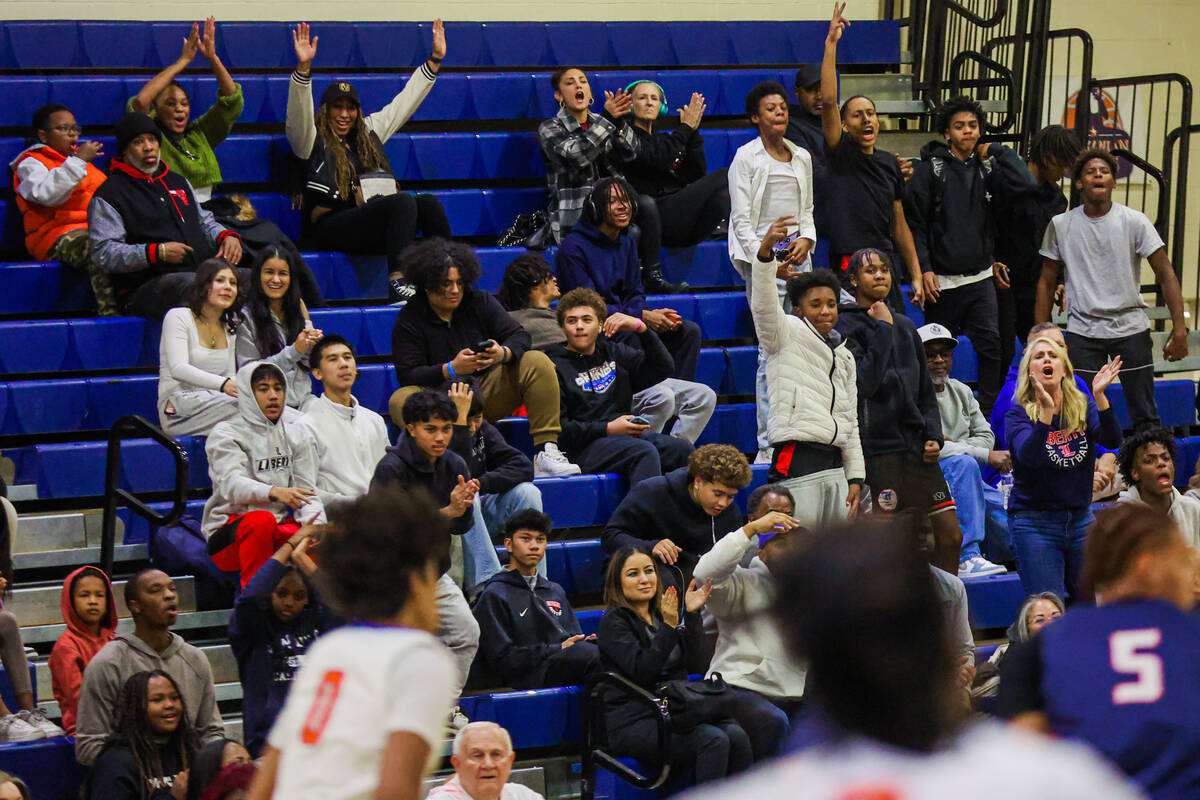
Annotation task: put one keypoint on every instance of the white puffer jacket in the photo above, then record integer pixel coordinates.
(812, 388)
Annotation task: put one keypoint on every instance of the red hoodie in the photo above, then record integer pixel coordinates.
(76, 646)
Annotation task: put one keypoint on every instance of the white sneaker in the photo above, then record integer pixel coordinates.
(763, 457)
(15, 729)
(977, 567)
(37, 718)
(551, 463)
(457, 719)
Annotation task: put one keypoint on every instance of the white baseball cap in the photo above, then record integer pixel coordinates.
(936, 333)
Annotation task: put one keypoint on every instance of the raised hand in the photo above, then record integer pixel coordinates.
(191, 44)
(666, 551)
(619, 321)
(693, 112)
(462, 394)
(774, 235)
(306, 49)
(618, 103)
(697, 595)
(668, 606)
(880, 312)
(208, 43)
(1105, 376)
(838, 23)
(89, 150)
(439, 39)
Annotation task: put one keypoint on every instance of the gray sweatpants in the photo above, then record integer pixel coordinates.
(196, 411)
(820, 497)
(457, 627)
(12, 655)
(693, 403)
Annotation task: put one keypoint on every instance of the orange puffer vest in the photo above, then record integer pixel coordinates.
(44, 224)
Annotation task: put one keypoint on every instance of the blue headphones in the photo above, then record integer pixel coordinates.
(662, 108)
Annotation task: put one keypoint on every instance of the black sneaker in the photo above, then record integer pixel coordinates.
(654, 282)
(400, 291)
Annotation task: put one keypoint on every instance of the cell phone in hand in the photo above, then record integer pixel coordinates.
(308, 325)
(639, 420)
(482, 347)
(780, 249)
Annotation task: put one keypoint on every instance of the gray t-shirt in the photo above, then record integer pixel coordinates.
(1102, 259)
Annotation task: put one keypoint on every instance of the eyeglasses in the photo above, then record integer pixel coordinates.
(66, 130)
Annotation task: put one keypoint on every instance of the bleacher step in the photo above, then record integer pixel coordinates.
(61, 531)
(22, 491)
(40, 604)
(79, 556)
(187, 620)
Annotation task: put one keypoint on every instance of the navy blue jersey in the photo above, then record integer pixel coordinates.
(1126, 679)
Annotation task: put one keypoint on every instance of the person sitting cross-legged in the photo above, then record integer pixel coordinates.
(969, 445)
(597, 378)
(528, 633)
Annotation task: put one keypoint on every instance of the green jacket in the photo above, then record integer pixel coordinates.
(192, 155)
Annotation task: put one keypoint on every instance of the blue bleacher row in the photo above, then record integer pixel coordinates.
(263, 158)
(100, 100)
(268, 45)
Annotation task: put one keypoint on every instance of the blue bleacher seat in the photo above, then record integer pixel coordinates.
(505, 94)
(966, 362)
(732, 423)
(584, 562)
(579, 43)
(508, 155)
(47, 765)
(635, 43)
(705, 42)
(589, 620)
(114, 44)
(993, 600)
(112, 398)
(372, 388)
(42, 44)
(33, 346)
(1176, 401)
(678, 86)
(399, 151)
(49, 406)
(465, 43)
(248, 159)
(743, 363)
(345, 321)
(93, 98)
(723, 315)
(503, 205)
(451, 100)
(377, 330)
(579, 500)
(756, 45)
(711, 368)
(437, 156)
(517, 44)
(107, 343)
(392, 44)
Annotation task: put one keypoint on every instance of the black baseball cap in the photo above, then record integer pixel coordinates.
(807, 75)
(337, 90)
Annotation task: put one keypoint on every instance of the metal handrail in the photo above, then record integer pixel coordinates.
(1000, 69)
(593, 756)
(124, 428)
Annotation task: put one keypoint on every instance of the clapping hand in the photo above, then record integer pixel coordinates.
(208, 42)
(618, 103)
(191, 44)
(697, 595)
(693, 112)
(439, 40)
(1105, 376)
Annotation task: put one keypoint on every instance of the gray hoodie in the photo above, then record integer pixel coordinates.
(125, 656)
(250, 455)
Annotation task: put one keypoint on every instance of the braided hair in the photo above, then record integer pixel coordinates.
(133, 729)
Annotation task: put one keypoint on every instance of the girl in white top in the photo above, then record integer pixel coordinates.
(274, 315)
(365, 716)
(196, 354)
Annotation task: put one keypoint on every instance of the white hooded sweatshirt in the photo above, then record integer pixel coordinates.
(1184, 510)
(249, 455)
(350, 440)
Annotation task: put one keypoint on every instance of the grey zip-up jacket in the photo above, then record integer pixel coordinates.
(250, 455)
(119, 660)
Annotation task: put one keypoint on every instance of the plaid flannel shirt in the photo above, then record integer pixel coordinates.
(577, 157)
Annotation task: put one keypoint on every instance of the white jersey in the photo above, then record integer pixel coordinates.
(989, 762)
(359, 685)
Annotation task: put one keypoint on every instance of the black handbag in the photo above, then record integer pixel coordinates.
(531, 230)
(692, 702)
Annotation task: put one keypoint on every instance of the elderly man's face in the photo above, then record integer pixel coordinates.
(485, 763)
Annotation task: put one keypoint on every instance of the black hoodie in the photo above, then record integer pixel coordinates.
(667, 160)
(496, 464)
(597, 389)
(405, 465)
(897, 404)
(950, 206)
(520, 628)
(1021, 223)
(662, 508)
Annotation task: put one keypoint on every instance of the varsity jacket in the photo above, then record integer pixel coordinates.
(53, 192)
(811, 380)
(249, 455)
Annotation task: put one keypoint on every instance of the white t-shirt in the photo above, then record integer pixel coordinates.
(1102, 259)
(359, 685)
(781, 198)
(989, 762)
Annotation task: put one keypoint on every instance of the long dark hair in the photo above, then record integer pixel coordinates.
(853, 593)
(614, 594)
(133, 729)
(267, 338)
(359, 139)
(197, 292)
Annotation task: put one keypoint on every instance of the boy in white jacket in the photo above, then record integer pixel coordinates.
(1146, 461)
(350, 438)
(750, 655)
(264, 475)
(813, 388)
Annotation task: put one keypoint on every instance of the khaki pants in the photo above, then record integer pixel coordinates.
(532, 382)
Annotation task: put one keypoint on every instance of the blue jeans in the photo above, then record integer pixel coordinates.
(1049, 547)
(980, 507)
(497, 508)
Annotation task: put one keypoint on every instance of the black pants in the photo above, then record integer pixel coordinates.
(154, 298)
(637, 458)
(765, 722)
(715, 750)
(1015, 306)
(382, 225)
(1088, 355)
(684, 346)
(972, 311)
(568, 667)
(688, 216)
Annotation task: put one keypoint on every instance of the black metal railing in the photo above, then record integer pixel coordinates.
(595, 757)
(122, 429)
(1182, 250)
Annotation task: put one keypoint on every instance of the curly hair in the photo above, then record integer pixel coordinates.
(361, 141)
(133, 728)
(1087, 155)
(373, 544)
(1054, 142)
(1127, 455)
(427, 263)
(520, 277)
(957, 105)
(801, 284)
(581, 296)
(268, 339)
(197, 292)
(721, 463)
(756, 95)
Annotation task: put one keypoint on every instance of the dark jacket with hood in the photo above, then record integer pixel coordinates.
(590, 259)
(269, 651)
(1021, 222)
(597, 389)
(116, 776)
(405, 465)
(950, 206)
(666, 160)
(897, 404)
(520, 628)
(496, 464)
(422, 341)
(661, 508)
(77, 645)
